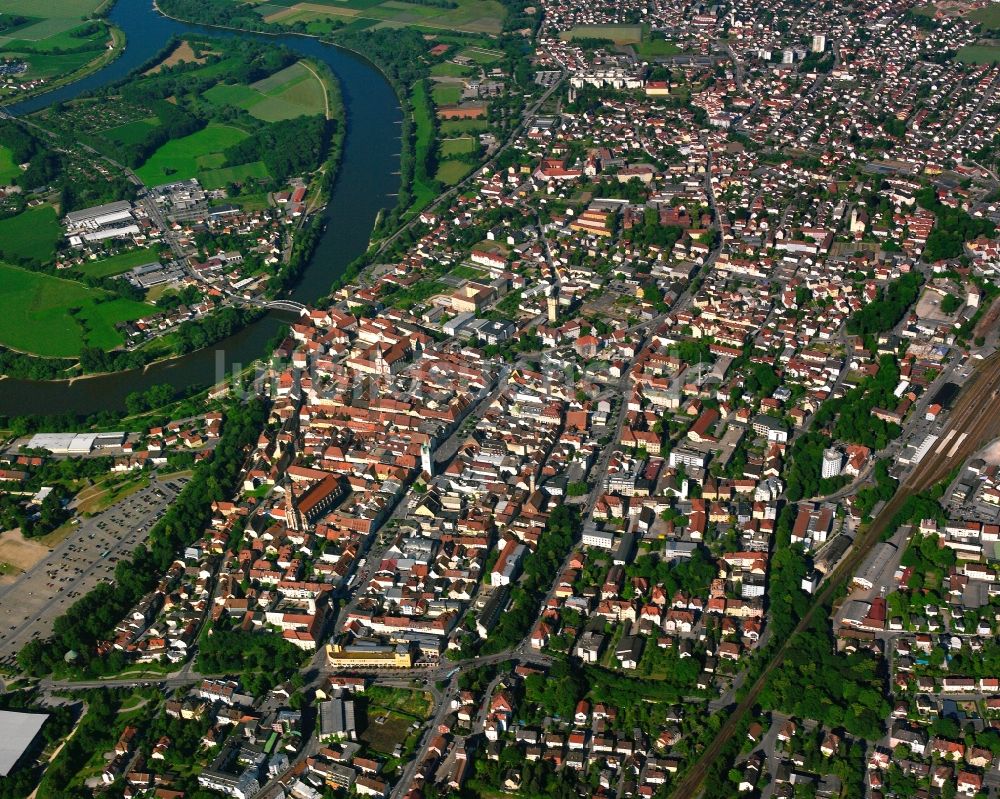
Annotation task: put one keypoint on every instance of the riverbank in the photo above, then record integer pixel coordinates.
(401, 91)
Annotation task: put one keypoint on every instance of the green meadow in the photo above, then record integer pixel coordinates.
(51, 316)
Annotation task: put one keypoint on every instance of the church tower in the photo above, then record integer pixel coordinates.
(292, 516)
(426, 461)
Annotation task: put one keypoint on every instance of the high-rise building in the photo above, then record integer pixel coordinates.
(833, 461)
(819, 42)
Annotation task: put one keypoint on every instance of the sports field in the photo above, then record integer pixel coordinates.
(31, 234)
(8, 169)
(619, 34)
(465, 144)
(446, 93)
(51, 316)
(450, 127)
(481, 55)
(656, 48)
(186, 157)
(292, 92)
(472, 16)
(446, 69)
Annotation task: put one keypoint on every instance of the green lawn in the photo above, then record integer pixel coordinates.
(116, 264)
(218, 178)
(51, 316)
(446, 94)
(132, 132)
(8, 169)
(423, 124)
(180, 159)
(656, 48)
(31, 234)
(979, 54)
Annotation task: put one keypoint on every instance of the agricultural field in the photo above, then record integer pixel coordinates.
(988, 17)
(49, 19)
(979, 54)
(472, 16)
(183, 53)
(34, 318)
(8, 169)
(189, 156)
(54, 38)
(116, 264)
(619, 34)
(291, 92)
(31, 234)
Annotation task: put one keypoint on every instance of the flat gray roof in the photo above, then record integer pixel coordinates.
(17, 731)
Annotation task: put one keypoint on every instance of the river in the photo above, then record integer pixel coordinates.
(366, 183)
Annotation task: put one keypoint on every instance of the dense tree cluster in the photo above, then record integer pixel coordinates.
(287, 148)
(803, 478)
(540, 568)
(97, 731)
(952, 229)
(199, 333)
(844, 690)
(217, 12)
(885, 312)
(262, 660)
(854, 420)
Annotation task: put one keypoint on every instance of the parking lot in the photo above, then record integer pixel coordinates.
(87, 556)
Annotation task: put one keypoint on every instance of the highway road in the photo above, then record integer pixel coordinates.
(969, 416)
